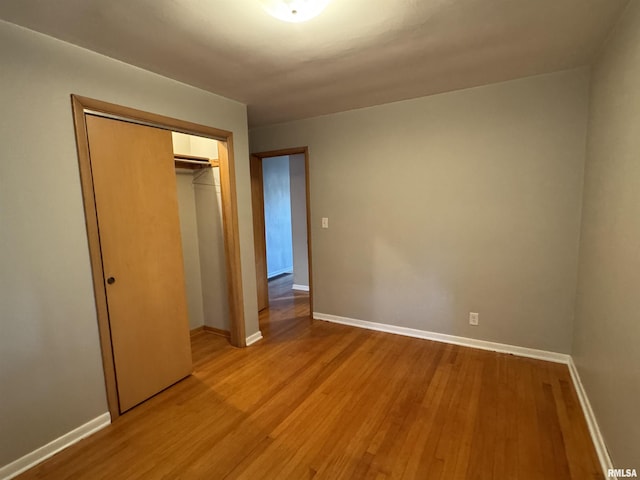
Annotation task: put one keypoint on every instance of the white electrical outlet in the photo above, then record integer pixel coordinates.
(325, 222)
(473, 318)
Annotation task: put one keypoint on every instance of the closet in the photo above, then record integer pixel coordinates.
(200, 212)
(158, 264)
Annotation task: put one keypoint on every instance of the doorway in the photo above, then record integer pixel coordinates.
(281, 220)
(197, 177)
(85, 109)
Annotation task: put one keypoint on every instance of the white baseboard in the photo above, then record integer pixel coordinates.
(256, 337)
(301, 288)
(441, 337)
(594, 430)
(282, 271)
(32, 459)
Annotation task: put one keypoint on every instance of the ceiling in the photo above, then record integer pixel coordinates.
(356, 53)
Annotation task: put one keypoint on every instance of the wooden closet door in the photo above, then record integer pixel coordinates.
(137, 207)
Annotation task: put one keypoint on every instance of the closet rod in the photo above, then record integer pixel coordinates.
(195, 162)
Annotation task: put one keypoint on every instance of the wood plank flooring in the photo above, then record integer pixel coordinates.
(325, 401)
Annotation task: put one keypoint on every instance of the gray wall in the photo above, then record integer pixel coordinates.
(211, 242)
(51, 375)
(465, 201)
(190, 247)
(199, 201)
(277, 215)
(298, 186)
(607, 327)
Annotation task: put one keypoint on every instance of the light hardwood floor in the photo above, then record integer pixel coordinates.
(324, 401)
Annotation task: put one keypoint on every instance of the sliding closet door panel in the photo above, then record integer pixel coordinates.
(136, 201)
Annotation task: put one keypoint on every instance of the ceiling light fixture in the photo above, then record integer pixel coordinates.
(295, 11)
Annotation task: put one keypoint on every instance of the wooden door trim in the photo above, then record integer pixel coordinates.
(258, 157)
(82, 105)
(259, 234)
(231, 242)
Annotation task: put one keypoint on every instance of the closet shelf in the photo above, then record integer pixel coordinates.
(194, 163)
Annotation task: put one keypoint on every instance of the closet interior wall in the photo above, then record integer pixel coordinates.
(200, 209)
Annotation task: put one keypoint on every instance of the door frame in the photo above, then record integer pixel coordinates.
(257, 202)
(82, 106)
